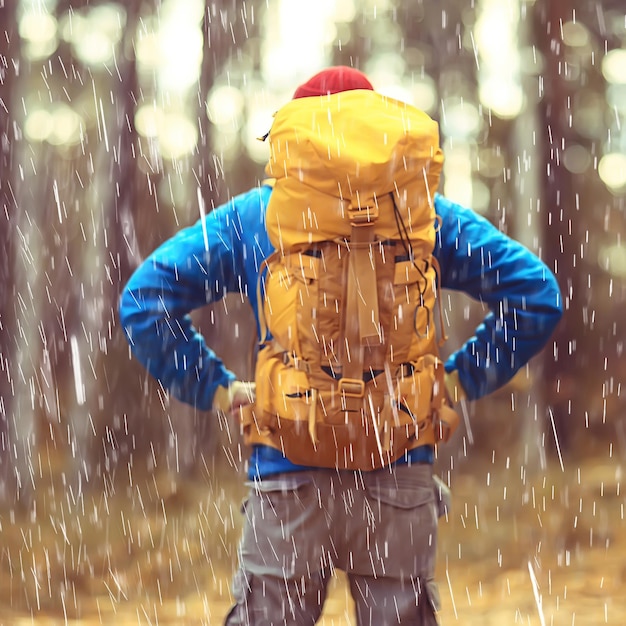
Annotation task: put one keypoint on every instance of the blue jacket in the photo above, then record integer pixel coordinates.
(224, 251)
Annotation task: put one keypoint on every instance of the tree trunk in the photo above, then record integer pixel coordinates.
(227, 326)
(9, 67)
(127, 414)
(560, 218)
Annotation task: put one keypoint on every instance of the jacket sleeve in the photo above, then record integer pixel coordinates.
(520, 291)
(197, 266)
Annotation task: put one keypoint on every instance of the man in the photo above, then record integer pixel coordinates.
(303, 522)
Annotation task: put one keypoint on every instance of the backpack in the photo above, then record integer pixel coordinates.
(348, 373)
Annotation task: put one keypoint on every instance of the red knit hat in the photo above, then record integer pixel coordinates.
(333, 80)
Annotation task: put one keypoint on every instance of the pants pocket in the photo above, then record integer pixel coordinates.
(276, 601)
(400, 519)
(283, 521)
(406, 487)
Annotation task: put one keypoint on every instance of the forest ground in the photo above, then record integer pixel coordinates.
(540, 547)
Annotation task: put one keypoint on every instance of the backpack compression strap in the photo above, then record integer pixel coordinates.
(362, 320)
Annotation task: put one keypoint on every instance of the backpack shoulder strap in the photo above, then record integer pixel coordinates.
(263, 328)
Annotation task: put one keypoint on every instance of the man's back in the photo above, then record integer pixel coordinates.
(181, 275)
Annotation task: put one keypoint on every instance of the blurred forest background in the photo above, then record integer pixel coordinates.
(121, 122)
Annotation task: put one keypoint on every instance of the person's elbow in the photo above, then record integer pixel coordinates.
(129, 306)
(551, 305)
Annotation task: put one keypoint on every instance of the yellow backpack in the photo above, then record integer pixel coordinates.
(348, 373)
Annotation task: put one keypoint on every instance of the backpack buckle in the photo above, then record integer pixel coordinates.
(363, 216)
(351, 387)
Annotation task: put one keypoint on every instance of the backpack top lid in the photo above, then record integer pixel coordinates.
(351, 150)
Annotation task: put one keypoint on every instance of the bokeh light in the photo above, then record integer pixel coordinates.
(460, 119)
(612, 258)
(174, 131)
(614, 66)
(38, 125)
(38, 30)
(177, 136)
(577, 159)
(225, 106)
(612, 171)
(499, 59)
(59, 125)
(148, 120)
(169, 46)
(94, 32)
(575, 34)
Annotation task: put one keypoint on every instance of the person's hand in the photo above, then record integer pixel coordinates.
(238, 394)
(453, 386)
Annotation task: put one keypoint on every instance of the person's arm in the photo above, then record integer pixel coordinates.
(196, 267)
(520, 291)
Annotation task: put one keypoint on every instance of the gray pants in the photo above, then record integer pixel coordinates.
(379, 527)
